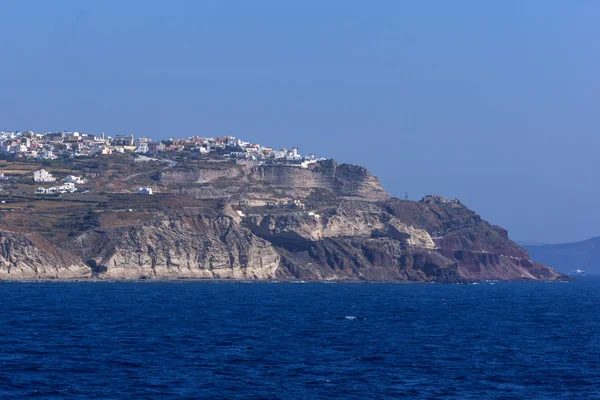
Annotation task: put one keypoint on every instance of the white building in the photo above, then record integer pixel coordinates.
(48, 155)
(293, 155)
(204, 149)
(66, 188)
(142, 148)
(43, 176)
(279, 154)
(74, 180)
(145, 190)
(232, 141)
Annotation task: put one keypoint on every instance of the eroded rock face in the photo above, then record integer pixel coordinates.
(343, 180)
(31, 257)
(185, 247)
(281, 181)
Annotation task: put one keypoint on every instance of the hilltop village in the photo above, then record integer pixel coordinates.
(52, 148)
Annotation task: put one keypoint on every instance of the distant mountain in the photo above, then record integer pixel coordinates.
(567, 257)
(527, 243)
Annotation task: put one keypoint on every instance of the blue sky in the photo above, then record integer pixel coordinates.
(494, 103)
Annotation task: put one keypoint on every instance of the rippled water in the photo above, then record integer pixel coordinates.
(291, 341)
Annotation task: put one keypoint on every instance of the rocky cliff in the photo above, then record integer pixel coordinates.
(222, 220)
(277, 181)
(32, 257)
(183, 246)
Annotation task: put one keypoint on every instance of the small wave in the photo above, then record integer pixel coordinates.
(353, 318)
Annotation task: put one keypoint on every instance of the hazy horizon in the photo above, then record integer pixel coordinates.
(494, 104)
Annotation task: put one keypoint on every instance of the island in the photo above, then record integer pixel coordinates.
(77, 206)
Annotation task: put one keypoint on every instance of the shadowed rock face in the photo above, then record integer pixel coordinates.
(343, 226)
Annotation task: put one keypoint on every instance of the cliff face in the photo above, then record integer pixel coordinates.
(342, 180)
(181, 247)
(223, 220)
(32, 257)
(254, 181)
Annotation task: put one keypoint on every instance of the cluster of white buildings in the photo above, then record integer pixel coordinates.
(64, 188)
(227, 147)
(68, 185)
(232, 147)
(49, 146)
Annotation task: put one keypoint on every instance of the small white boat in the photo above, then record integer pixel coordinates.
(578, 272)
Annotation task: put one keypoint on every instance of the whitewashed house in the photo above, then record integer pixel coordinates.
(75, 180)
(293, 155)
(145, 190)
(66, 188)
(48, 155)
(43, 176)
(142, 148)
(204, 149)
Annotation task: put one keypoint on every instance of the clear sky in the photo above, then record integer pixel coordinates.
(494, 103)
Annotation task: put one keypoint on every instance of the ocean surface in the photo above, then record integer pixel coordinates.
(188, 340)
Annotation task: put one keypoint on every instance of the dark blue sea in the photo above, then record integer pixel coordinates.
(191, 340)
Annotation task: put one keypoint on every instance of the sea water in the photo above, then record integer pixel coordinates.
(161, 340)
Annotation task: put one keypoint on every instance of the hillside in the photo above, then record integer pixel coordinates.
(213, 217)
(567, 257)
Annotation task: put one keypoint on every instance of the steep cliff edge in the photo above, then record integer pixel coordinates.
(218, 219)
(281, 182)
